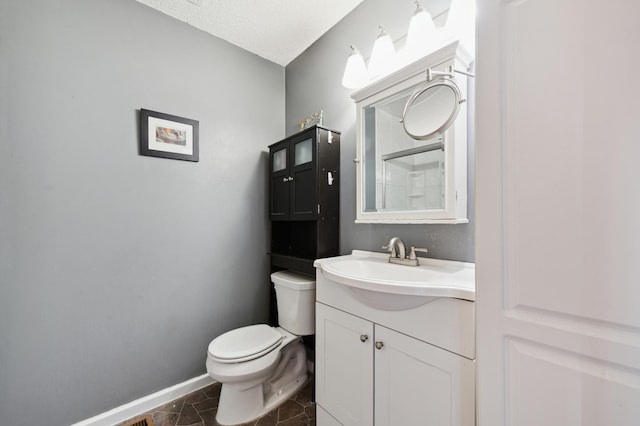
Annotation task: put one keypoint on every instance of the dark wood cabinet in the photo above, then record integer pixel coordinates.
(293, 177)
(304, 198)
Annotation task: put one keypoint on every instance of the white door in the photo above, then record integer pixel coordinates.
(420, 384)
(558, 212)
(344, 370)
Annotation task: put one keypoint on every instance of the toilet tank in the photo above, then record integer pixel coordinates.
(296, 298)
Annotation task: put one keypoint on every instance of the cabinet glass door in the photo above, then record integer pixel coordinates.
(279, 160)
(304, 195)
(280, 183)
(303, 152)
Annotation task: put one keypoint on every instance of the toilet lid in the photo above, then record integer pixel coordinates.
(245, 343)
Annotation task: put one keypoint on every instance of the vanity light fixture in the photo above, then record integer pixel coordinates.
(355, 72)
(383, 55)
(422, 35)
(422, 38)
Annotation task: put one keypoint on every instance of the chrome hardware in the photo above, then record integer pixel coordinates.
(285, 179)
(379, 345)
(364, 338)
(399, 256)
(400, 253)
(412, 254)
(356, 160)
(290, 178)
(449, 73)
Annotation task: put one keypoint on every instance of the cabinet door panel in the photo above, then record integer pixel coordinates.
(304, 204)
(279, 184)
(279, 203)
(417, 383)
(344, 373)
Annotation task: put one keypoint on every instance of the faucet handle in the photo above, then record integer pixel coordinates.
(412, 253)
(390, 248)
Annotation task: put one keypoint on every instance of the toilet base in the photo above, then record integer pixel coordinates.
(240, 405)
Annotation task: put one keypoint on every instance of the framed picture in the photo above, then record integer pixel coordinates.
(168, 136)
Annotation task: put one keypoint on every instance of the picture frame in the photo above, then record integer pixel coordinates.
(168, 136)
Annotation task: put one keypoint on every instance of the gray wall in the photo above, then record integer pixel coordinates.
(313, 82)
(116, 270)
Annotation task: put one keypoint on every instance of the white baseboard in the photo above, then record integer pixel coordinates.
(144, 404)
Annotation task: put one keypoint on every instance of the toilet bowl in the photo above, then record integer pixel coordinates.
(260, 366)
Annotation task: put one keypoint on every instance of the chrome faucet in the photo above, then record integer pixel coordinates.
(400, 253)
(399, 256)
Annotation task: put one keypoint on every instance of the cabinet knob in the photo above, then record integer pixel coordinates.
(364, 338)
(285, 179)
(379, 345)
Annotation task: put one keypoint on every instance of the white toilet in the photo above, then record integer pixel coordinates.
(260, 366)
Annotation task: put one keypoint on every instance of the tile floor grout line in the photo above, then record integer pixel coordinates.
(297, 410)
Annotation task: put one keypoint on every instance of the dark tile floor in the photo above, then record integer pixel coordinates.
(199, 408)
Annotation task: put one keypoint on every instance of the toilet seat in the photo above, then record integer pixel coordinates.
(244, 344)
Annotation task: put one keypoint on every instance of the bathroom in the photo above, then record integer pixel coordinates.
(117, 270)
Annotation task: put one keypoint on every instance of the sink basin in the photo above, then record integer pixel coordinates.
(374, 281)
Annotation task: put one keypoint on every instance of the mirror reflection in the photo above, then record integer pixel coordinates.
(402, 173)
(431, 109)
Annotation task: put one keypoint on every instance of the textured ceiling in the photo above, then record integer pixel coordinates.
(277, 30)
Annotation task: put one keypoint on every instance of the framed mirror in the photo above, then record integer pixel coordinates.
(411, 154)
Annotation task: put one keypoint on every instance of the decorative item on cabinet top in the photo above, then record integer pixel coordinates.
(304, 198)
(312, 120)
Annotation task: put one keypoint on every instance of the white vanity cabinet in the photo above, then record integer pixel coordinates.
(380, 362)
(368, 374)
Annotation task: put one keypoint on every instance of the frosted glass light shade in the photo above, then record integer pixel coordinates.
(422, 36)
(355, 72)
(383, 56)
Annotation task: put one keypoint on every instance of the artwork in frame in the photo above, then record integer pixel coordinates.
(168, 136)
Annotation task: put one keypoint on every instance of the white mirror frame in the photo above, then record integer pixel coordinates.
(455, 139)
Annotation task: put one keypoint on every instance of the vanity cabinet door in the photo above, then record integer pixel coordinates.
(418, 383)
(344, 366)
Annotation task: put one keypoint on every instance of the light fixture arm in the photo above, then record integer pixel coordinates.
(449, 73)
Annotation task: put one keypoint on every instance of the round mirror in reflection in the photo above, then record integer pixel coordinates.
(431, 109)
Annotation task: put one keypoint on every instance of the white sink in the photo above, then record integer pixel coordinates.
(383, 285)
